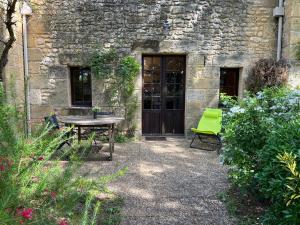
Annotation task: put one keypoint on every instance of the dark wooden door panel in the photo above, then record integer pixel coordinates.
(152, 85)
(163, 94)
(151, 122)
(174, 122)
(174, 94)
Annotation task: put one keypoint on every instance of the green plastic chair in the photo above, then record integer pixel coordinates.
(210, 125)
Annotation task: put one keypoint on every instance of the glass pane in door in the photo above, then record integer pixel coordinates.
(163, 95)
(151, 121)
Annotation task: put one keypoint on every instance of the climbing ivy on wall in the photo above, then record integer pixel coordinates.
(119, 75)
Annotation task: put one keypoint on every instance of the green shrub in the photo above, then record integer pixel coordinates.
(35, 190)
(119, 74)
(257, 130)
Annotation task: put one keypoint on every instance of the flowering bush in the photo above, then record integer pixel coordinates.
(258, 131)
(267, 73)
(35, 190)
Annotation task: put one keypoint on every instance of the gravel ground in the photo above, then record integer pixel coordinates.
(166, 183)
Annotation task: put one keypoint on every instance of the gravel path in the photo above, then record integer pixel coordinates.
(167, 183)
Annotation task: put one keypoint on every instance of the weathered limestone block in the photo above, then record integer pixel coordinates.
(203, 83)
(195, 95)
(34, 68)
(35, 96)
(40, 111)
(38, 82)
(58, 72)
(60, 96)
(193, 109)
(38, 25)
(35, 55)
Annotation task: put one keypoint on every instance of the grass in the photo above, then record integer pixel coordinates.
(119, 138)
(111, 211)
(245, 209)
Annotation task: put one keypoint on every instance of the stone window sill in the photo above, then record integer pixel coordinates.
(80, 107)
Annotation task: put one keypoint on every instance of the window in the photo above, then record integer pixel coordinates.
(229, 81)
(81, 90)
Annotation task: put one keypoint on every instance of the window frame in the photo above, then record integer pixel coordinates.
(74, 99)
(236, 86)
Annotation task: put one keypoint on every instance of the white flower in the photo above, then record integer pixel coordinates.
(293, 101)
(296, 92)
(259, 109)
(237, 109)
(270, 120)
(260, 95)
(229, 114)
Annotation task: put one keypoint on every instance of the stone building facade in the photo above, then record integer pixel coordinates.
(14, 73)
(292, 39)
(211, 34)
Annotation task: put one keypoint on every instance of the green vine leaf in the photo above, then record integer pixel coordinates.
(119, 74)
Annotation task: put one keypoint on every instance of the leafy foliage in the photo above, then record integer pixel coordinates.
(119, 74)
(35, 190)
(267, 73)
(104, 63)
(261, 139)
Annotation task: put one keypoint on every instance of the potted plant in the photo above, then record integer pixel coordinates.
(95, 110)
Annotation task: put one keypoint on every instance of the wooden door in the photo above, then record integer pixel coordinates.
(229, 81)
(152, 95)
(163, 95)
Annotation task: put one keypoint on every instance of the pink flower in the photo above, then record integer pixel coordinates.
(63, 222)
(27, 213)
(5, 163)
(41, 158)
(53, 194)
(2, 168)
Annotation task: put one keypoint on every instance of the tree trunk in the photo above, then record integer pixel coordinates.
(9, 23)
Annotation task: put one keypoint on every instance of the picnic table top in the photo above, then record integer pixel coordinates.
(90, 121)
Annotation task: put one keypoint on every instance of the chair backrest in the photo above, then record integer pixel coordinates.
(211, 121)
(52, 121)
(212, 113)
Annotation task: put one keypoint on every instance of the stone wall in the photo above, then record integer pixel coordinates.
(211, 33)
(292, 39)
(13, 73)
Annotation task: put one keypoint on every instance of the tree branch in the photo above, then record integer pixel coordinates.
(9, 23)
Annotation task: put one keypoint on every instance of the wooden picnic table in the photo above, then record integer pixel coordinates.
(89, 121)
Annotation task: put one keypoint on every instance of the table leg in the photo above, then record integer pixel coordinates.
(79, 134)
(111, 140)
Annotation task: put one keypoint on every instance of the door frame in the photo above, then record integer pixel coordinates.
(163, 93)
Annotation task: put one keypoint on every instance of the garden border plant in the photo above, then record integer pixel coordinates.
(267, 73)
(261, 148)
(35, 190)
